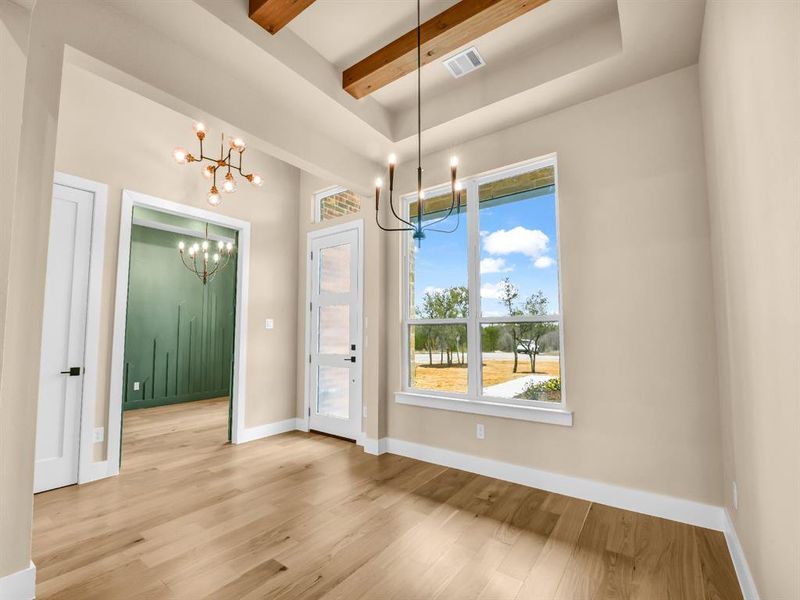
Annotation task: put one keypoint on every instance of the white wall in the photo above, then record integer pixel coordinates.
(750, 84)
(112, 135)
(16, 468)
(637, 298)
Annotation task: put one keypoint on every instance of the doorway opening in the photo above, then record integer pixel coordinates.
(179, 326)
(180, 321)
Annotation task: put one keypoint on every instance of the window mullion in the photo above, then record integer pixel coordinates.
(473, 282)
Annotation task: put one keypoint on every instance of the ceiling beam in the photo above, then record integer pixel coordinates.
(274, 15)
(451, 29)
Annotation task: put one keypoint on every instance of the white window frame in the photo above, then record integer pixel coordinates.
(321, 195)
(474, 401)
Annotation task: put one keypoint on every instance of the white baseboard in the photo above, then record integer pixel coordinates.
(648, 503)
(746, 581)
(373, 446)
(20, 585)
(261, 431)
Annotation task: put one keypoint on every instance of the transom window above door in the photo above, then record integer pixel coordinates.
(482, 306)
(335, 202)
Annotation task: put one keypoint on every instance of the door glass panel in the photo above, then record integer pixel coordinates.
(334, 270)
(334, 329)
(333, 392)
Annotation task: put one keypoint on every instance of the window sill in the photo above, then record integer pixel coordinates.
(554, 416)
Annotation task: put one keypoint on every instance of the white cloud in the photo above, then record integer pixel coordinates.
(483, 233)
(543, 262)
(494, 265)
(519, 240)
(492, 291)
(432, 290)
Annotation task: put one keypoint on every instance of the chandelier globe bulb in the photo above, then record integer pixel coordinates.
(214, 199)
(181, 155)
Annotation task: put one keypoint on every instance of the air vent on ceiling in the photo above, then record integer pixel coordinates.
(464, 62)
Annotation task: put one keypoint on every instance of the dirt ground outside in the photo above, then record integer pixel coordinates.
(453, 378)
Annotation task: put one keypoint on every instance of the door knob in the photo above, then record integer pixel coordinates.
(73, 372)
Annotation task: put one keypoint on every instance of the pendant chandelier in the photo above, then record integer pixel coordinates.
(417, 228)
(208, 265)
(236, 147)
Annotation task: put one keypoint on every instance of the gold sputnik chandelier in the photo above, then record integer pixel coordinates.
(225, 162)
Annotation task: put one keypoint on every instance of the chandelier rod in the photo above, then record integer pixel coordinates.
(419, 118)
(418, 228)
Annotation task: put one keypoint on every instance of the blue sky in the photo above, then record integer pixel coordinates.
(518, 240)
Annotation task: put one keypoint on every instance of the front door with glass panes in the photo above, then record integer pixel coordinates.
(334, 359)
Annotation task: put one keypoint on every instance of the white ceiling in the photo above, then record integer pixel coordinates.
(560, 54)
(345, 31)
(368, 26)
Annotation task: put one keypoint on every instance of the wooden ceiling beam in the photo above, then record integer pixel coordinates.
(458, 25)
(274, 15)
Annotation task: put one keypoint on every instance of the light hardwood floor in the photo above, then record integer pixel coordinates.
(309, 516)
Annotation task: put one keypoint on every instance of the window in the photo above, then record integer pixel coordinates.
(335, 202)
(483, 313)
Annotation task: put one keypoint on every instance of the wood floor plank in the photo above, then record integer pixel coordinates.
(545, 575)
(719, 575)
(304, 516)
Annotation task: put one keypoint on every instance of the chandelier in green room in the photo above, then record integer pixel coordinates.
(205, 258)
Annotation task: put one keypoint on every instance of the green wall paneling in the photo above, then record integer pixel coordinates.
(179, 333)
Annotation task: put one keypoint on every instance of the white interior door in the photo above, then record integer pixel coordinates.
(63, 339)
(335, 344)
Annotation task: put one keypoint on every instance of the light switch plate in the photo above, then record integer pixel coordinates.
(99, 434)
(269, 324)
(480, 432)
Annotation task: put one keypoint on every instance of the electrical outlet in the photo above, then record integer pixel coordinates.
(135, 386)
(480, 432)
(735, 496)
(364, 412)
(269, 324)
(99, 434)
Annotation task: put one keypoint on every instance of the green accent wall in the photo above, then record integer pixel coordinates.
(179, 333)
